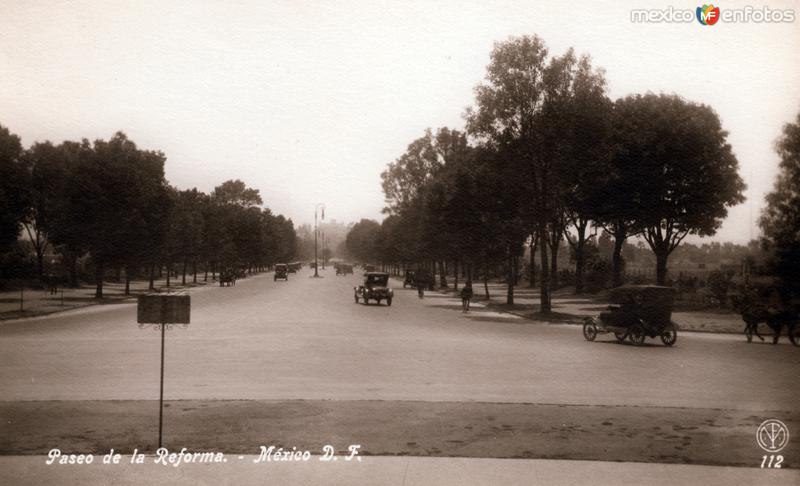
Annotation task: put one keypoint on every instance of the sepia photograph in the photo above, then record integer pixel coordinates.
(420, 242)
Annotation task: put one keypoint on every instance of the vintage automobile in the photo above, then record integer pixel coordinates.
(376, 287)
(343, 269)
(281, 271)
(294, 267)
(409, 280)
(637, 311)
(227, 278)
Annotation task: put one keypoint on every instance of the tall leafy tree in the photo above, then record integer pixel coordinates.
(362, 240)
(684, 171)
(780, 220)
(13, 198)
(509, 118)
(121, 195)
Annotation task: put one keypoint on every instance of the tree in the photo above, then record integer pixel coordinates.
(47, 169)
(684, 172)
(12, 184)
(404, 179)
(361, 240)
(509, 118)
(584, 154)
(780, 220)
(236, 192)
(120, 195)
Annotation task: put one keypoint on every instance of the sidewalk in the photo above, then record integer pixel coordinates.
(383, 470)
(36, 302)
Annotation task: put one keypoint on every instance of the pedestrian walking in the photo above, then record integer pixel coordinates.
(466, 296)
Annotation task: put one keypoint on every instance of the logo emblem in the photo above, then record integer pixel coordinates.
(708, 14)
(772, 435)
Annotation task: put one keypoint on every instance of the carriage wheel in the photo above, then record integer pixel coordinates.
(589, 331)
(636, 335)
(669, 336)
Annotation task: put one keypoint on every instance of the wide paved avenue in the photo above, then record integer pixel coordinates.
(307, 339)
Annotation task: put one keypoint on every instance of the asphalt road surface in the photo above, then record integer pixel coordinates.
(419, 370)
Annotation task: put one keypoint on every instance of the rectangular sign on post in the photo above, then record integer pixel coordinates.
(163, 309)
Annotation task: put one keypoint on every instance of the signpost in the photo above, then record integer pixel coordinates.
(163, 311)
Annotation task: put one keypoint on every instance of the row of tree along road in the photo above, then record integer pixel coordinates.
(109, 202)
(547, 156)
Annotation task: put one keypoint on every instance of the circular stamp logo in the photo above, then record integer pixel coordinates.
(772, 435)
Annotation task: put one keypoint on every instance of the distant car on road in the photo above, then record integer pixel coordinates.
(375, 287)
(343, 269)
(281, 271)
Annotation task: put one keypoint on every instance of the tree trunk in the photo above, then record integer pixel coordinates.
(510, 279)
(127, 282)
(661, 266)
(152, 285)
(554, 267)
(183, 279)
(532, 261)
(455, 275)
(169, 272)
(194, 271)
(442, 275)
(486, 282)
(98, 279)
(616, 259)
(544, 292)
(580, 263)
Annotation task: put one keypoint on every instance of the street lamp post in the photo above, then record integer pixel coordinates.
(316, 234)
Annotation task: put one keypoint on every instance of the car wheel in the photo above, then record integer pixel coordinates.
(356, 299)
(589, 331)
(636, 335)
(389, 302)
(620, 336)
(669, 336)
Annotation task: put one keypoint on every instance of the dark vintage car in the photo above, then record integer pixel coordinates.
(281, 271)
(376, 287)
(294, 267)
(636, 312)
(343, 269)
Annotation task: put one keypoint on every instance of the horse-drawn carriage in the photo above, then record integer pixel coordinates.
(761, 300)
(636, 312)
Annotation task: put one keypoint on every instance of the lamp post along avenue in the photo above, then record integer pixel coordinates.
(316, 235)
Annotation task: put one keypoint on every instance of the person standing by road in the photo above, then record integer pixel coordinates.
(466, 296)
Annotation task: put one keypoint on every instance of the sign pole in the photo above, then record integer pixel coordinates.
(161, 393)
(163, 310)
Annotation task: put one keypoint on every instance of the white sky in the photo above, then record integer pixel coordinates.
(308, 101)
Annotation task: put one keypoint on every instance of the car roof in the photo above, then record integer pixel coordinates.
(376, 274)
